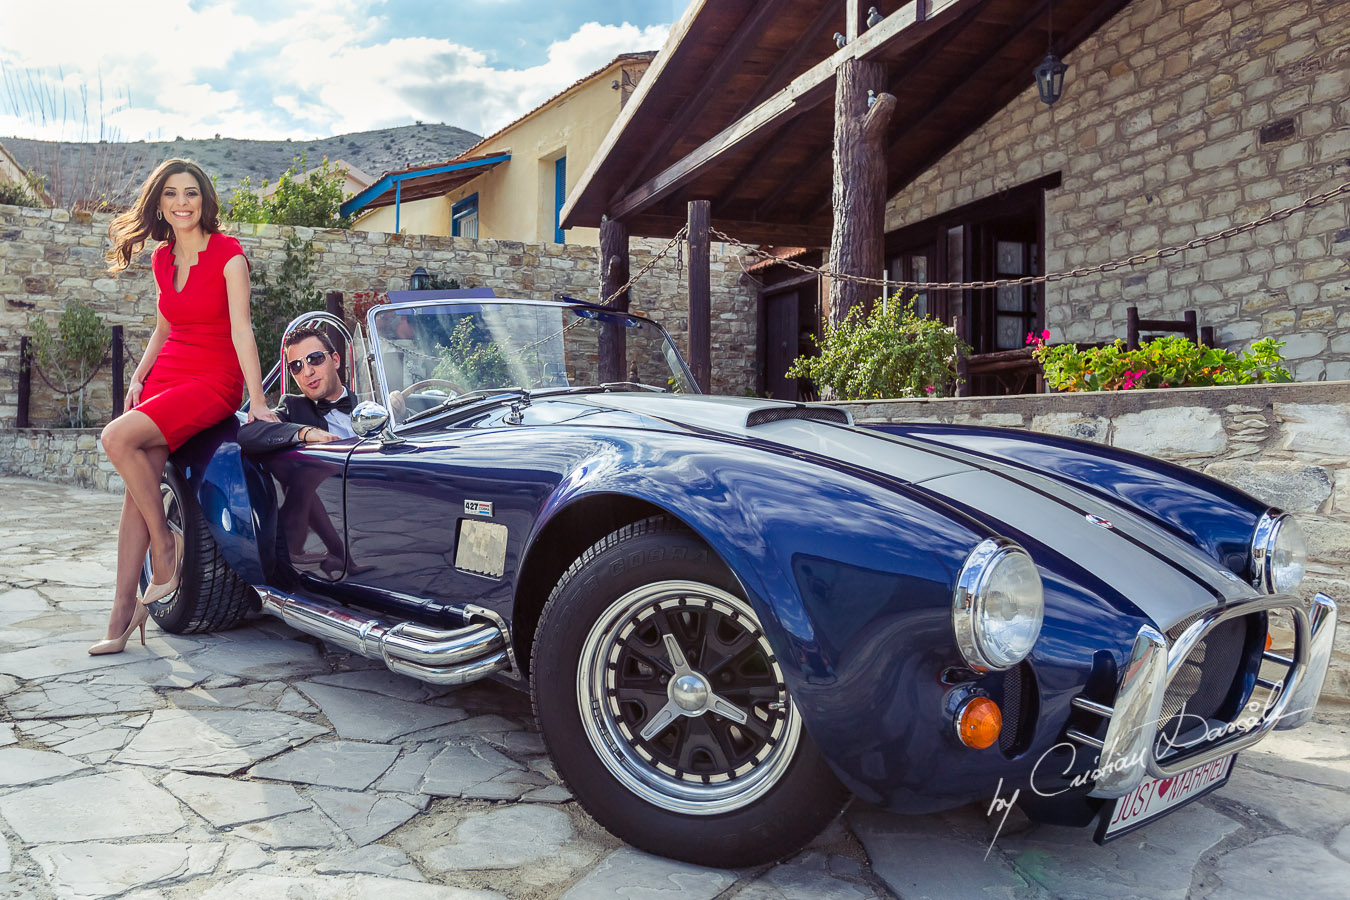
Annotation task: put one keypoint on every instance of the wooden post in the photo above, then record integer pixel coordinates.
(700, 294)
(857, 245)
(614, 274)
(962, 361)
(332, 302)
(25, 382)
(118, 388)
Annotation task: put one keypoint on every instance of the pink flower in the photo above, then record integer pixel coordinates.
(1045, 335)
(1031, 337)
(930, 389)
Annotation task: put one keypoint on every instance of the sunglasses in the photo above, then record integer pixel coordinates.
(314, 359)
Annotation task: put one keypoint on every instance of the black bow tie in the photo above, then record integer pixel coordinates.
(343, 403)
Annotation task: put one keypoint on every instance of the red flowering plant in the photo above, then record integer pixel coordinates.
(364, 301)
(1170, 361)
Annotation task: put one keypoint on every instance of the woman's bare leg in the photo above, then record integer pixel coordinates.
(137, 449)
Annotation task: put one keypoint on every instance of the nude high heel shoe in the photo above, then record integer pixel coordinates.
(156, 591)
(118, 644)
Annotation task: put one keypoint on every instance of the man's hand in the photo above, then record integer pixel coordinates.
(311, 435)
(397, 406)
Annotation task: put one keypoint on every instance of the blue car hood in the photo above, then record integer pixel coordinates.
(1160, 572)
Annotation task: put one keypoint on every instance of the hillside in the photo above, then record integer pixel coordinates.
(117, 169)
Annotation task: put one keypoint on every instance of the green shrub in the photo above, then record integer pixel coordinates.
(281, 295)
(22, 193)
(70, 355)
(1171, 361)
(313, 200)
(889, 352)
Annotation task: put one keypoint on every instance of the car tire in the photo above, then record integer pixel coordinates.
(711, 766)
(210, 596)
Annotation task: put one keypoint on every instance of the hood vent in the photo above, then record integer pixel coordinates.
(830, 414)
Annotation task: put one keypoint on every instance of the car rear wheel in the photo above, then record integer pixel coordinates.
(666, 711)
(210, 596)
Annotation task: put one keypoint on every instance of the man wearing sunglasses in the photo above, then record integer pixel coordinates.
(321, 412)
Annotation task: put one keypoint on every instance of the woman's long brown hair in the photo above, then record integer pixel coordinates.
(133, 228)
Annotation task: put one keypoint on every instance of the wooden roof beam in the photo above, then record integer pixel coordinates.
(1030, 20)
(743, 230)
(789, 60)
(644, 87)
(729, 58)
(803, 93)
(897, 79)
(772, 146)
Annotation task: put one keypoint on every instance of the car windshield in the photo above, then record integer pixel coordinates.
(434, 352)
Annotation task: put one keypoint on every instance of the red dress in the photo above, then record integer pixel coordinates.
(195, 381)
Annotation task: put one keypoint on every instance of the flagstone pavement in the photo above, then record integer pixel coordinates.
(260, 763)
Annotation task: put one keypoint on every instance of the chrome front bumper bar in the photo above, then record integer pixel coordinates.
(439, 656)
(1128, 751)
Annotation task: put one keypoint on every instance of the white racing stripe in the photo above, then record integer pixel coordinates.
(1133, 557)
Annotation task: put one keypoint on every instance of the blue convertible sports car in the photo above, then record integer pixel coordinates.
(732, 613)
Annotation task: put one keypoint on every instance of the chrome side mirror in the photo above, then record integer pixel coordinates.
(368, 418)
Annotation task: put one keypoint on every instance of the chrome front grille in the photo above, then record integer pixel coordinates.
(1205, 678)
(1197, 664)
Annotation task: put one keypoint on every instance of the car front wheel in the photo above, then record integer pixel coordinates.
(665, 709)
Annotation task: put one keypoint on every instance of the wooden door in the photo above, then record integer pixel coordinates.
(781, 328)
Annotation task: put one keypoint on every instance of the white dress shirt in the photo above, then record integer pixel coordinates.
(339, 422)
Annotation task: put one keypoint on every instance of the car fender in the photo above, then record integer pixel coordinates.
(235, 496)
(769, 516)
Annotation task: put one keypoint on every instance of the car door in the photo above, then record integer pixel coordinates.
(442, 518)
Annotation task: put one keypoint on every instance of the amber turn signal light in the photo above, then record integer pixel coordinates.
(978, 722)
(1269, 640)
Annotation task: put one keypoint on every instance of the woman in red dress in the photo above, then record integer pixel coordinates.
(197, 364)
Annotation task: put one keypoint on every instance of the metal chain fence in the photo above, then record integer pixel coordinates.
(1081, 272)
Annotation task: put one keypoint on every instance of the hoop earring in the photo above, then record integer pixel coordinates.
(159, 214)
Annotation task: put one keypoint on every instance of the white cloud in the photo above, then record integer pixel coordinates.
(197, 69)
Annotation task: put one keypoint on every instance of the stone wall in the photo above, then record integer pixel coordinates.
(1286, 444)
(61, 455)
(1180, 120)
(51, 257)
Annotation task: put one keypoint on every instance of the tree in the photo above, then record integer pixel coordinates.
(312, 199)
(278, 299)
(71, 355)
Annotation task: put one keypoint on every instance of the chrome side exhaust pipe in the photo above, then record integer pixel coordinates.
(456, 656)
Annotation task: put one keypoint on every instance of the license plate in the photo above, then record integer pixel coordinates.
(1154, 798)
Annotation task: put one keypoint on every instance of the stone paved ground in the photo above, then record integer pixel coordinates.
(258, 763)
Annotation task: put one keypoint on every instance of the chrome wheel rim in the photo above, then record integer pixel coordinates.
(173, 514)
(683, 700)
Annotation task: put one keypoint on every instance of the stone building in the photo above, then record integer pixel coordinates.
(1177, 120)
(49, 257)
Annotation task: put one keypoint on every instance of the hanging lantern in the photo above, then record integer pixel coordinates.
(420, 280)
(1050, 79)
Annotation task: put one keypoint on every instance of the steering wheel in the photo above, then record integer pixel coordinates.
(454, 389)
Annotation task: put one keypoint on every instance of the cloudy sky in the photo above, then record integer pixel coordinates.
(272, 69)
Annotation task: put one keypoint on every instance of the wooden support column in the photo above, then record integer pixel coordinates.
(332, 302)
(118, 370)
(857, 245)
(25, 380)
(614, 269)
(700, 294)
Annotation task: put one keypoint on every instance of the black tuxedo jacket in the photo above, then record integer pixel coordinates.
(295, 411)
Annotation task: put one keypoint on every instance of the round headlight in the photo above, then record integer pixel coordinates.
(998, 606)
(1279, 553)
